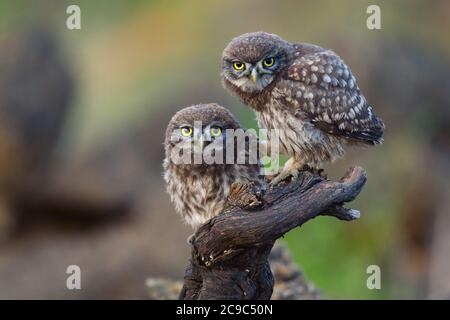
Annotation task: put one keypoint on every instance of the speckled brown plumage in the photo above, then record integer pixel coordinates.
(309, 93)
(199, 191)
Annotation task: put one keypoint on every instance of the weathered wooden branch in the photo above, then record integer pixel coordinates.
(229, 252)
(290, 281)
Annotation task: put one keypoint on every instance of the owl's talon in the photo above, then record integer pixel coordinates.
(305, 104)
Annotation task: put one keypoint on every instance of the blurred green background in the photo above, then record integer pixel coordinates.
(135, 63)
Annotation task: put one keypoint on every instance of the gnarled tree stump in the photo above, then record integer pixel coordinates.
(230, 252)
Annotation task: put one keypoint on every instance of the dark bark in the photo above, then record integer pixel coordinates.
(230, 252)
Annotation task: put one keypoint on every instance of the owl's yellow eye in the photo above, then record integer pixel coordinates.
(269, 62)
(186, 131)
(216, 131)
(239, 66)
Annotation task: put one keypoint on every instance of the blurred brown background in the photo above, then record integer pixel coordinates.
(82, 120)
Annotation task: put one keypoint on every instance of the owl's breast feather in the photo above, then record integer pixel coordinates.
(297, 136)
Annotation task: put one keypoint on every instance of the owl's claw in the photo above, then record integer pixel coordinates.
(290, 169)
(283, 175)
(190, 239)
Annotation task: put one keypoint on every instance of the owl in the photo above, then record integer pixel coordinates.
(199, 189)
(306, 92)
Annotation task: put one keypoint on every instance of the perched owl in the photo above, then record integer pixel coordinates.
(199, 189)
(306, 92)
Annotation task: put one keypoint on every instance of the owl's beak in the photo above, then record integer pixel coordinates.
(254, 75)
(200, 143)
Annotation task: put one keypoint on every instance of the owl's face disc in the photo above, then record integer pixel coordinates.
(252, 61)
(201, 130)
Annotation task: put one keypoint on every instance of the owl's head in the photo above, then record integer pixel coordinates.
(196, 128)
(252, 61)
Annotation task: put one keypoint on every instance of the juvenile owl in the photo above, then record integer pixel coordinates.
(199, 189)
(306, 92)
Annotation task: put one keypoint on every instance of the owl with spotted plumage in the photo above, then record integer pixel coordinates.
(199, 188)
(305, 91)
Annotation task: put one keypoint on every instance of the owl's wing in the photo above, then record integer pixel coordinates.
(319, 87)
